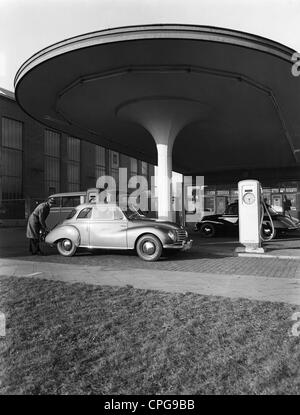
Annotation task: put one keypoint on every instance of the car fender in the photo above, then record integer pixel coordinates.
(62, 232)
(214, 222)
(276, 223)
(134, 233)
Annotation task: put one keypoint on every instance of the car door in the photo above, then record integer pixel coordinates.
(54, 215)
(108, 227)
(231, 217)
(82, 223)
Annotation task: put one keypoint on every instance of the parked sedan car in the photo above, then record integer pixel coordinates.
(107, 226)
(228, 223)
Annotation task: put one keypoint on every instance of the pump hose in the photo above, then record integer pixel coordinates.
(264, 208)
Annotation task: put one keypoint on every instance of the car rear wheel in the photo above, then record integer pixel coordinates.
(66, 247)
(207, 230)
(149, 248)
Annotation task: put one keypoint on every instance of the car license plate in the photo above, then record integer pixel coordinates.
(187, 245)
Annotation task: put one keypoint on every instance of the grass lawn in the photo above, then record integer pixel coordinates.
(82, 339)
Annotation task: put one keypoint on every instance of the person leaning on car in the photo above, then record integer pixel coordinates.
(37, 223)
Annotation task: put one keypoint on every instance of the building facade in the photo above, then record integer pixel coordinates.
(37, 161)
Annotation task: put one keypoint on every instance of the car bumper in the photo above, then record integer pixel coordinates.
(184, 246)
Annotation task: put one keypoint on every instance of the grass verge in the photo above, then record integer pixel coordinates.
(82, 339)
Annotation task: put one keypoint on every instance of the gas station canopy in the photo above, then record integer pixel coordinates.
(216, 99)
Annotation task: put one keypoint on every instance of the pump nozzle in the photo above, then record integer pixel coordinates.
(264, 208)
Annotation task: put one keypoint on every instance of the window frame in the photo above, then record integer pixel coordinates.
(51, 180)
(88, 216)
(17, 180)
(69, 197)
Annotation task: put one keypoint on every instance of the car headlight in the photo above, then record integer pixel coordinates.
(172, 235)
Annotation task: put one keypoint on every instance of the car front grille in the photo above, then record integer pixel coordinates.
(181, 235)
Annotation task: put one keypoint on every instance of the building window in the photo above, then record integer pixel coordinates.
(133, 167)
(52, 162)
(100, 162)
(144, 169)
(11, 158)
(73, 149)
(114, 165)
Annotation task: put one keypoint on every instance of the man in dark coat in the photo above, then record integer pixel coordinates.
(37, 223)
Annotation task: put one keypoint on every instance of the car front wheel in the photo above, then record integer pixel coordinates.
(207, 230)
(149, 248)
(66, 247)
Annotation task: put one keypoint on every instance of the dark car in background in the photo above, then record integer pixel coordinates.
(227, 223)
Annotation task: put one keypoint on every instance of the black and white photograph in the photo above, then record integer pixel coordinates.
(149, 200)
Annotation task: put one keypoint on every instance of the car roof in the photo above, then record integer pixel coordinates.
(68, 194)
(91, 205)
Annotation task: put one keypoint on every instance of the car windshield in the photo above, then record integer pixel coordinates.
(271, 210)
(233, 209)
(133, 213)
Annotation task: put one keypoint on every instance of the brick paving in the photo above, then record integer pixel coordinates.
(286, 290)
(206, 256)
(182, 262)
(210, 268)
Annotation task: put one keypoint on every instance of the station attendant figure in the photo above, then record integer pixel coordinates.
(37, 223)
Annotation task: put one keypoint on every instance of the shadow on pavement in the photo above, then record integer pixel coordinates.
(13, 244)
(115, 255)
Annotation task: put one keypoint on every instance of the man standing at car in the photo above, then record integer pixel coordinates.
(37, 223)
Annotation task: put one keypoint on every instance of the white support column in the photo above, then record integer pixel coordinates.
(164, 118)
(164, 164)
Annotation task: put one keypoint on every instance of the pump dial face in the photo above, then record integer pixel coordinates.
(249, 198)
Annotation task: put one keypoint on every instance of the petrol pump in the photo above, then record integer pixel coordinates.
(251, 214)
(193, 200)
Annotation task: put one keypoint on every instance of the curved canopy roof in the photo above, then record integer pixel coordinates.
(239, 88)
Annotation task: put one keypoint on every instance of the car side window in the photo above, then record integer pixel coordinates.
(235, 210)
(56, 202)
(103, 213)
(70, 201)
(232, 210)
(85, 213)
(71, 214)
(107, 213)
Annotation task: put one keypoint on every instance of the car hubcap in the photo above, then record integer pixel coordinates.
(207, 229)
(149, 248)
(67, 244)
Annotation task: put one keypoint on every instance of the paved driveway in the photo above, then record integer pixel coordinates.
(207, 255)
(210, 267)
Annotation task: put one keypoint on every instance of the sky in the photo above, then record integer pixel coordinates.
(26, 26)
